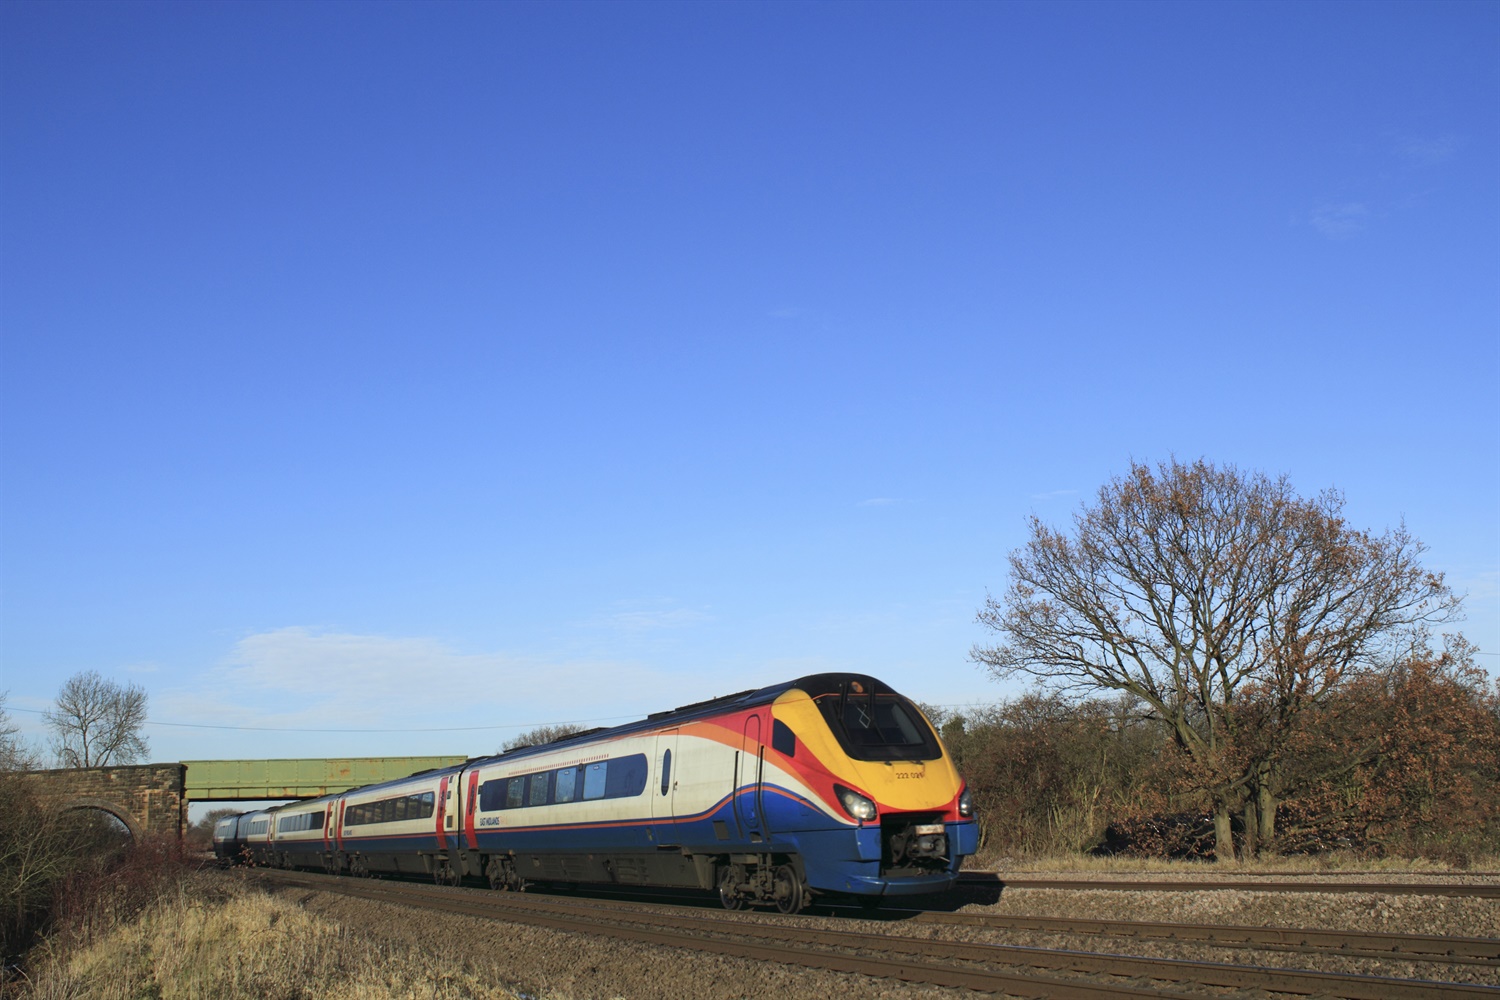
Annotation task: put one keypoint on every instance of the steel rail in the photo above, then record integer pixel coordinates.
(1475, 890)
(781, 952)
(805, 946)
(1352, 944)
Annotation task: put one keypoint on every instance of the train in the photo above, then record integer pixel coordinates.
(831, 784)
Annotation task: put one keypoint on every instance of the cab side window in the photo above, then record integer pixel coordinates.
(783, 740)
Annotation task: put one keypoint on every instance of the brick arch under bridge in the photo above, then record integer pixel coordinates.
(150, 799)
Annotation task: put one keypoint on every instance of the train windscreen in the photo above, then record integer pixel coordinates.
(870, 721)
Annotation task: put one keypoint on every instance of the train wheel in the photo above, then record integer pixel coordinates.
(729, 893)
(503, 876)
(495, 872)
(788, 890)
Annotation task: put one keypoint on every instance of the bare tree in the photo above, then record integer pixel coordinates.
(1203, 591)
(15, 755)
(98, 722)
(541, 734)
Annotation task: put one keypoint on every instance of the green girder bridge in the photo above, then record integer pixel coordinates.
(296, 778)
(152, 799)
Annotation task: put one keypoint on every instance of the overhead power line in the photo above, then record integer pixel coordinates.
(424, 729)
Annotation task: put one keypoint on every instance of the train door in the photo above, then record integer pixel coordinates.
(663, 789)
(471, 799)
(443, 811)
(747, 791)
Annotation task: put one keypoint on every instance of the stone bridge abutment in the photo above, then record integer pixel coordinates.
(150, 799)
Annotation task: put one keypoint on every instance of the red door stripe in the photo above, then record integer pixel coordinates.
(469, 809)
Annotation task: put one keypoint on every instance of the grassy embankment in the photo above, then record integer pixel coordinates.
(209, 937)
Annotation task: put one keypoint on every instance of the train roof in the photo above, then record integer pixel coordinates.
(814, 684)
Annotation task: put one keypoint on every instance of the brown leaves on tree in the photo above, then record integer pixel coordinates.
(1224, 601)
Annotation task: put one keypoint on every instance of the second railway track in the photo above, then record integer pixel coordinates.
(1476, 890)
(1023, 971)
(1351, 944)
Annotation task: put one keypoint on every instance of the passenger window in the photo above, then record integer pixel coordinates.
(400, 810)
(783, 740)
(515, 792)
(491, 795)
(566, 779)
(593, 781)
(627, 776)
(539, 789)
(666, 771)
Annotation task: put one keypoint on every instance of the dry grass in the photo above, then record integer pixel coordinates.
(203, 942)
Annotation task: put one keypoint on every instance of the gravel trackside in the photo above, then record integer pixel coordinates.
(1455, 917)
(1354, 911)
(557, 965)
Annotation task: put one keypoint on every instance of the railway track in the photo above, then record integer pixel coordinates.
(1351, 944)
(1012, 969)
(1471, 890)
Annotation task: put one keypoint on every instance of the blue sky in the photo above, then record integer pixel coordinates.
(446, 366)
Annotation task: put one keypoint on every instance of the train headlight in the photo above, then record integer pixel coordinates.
(855, 804)
(965, 803)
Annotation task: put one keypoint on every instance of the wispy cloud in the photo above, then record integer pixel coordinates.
(1340, 221)
(1054, 495)
(299, 677)
(1418, 151)
(1376, 197)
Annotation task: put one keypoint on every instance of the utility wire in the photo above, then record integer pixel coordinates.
(427, 729)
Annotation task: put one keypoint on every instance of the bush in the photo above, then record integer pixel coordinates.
(1399, 762)
(73, 873)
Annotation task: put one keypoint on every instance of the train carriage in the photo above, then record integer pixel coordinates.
(395, 826)
(254, 836)
(832, 783)
(300, 833)
(225, 840)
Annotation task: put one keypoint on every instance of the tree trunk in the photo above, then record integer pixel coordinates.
(1267, 808)
(1252, 828)
(1223, 833)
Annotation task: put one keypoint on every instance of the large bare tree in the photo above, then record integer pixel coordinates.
(1224, 601)
(98, 722)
